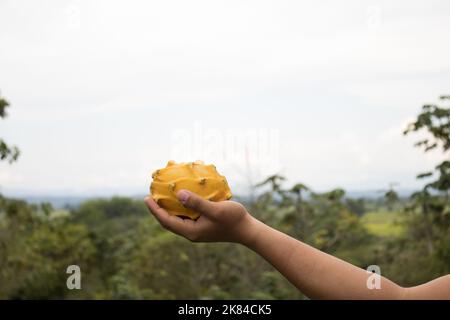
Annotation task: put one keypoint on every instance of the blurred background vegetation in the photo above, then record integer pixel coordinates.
(124, 254)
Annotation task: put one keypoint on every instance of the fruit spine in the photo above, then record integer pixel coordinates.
(197, 177)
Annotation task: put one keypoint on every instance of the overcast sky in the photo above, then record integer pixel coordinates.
(105, 92)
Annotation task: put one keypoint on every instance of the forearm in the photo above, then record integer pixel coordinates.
(317, 274)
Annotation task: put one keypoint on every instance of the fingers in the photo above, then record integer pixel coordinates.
(172, 223)
(193, 201)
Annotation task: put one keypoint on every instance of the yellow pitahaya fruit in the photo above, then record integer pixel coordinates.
(197, 177)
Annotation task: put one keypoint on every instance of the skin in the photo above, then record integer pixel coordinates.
(315, 273)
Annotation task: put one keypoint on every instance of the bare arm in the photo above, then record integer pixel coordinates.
(321, 276)
(317, 274)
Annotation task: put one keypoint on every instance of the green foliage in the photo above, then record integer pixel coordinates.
(124, 254)
(7, 153)
(425, 242)
(36, 249)
(435, 121)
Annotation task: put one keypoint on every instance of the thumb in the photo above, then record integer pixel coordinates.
(195, 202)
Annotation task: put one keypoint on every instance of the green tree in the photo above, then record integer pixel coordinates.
(7, 153)
(275, 181)
(36, 247)
(427, 241)
(435, 121)
(390, 196)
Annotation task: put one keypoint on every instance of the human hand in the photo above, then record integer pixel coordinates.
(225, 221)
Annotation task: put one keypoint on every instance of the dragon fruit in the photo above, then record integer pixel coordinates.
(197, 177)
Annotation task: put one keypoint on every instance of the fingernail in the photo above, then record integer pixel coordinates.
(183, 196)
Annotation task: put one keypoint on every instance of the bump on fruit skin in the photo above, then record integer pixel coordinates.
(197, 177)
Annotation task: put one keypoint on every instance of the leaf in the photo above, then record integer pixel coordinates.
(431, 147)
(421, 143)
(424, 175)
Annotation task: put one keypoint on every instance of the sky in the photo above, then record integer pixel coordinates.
(103, 93)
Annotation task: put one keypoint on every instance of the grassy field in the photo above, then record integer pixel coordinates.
(383, 223)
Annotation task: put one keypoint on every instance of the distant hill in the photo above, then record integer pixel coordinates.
(57, 202)
(62, 201)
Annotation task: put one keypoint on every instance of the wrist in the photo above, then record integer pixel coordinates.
(251, 231)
